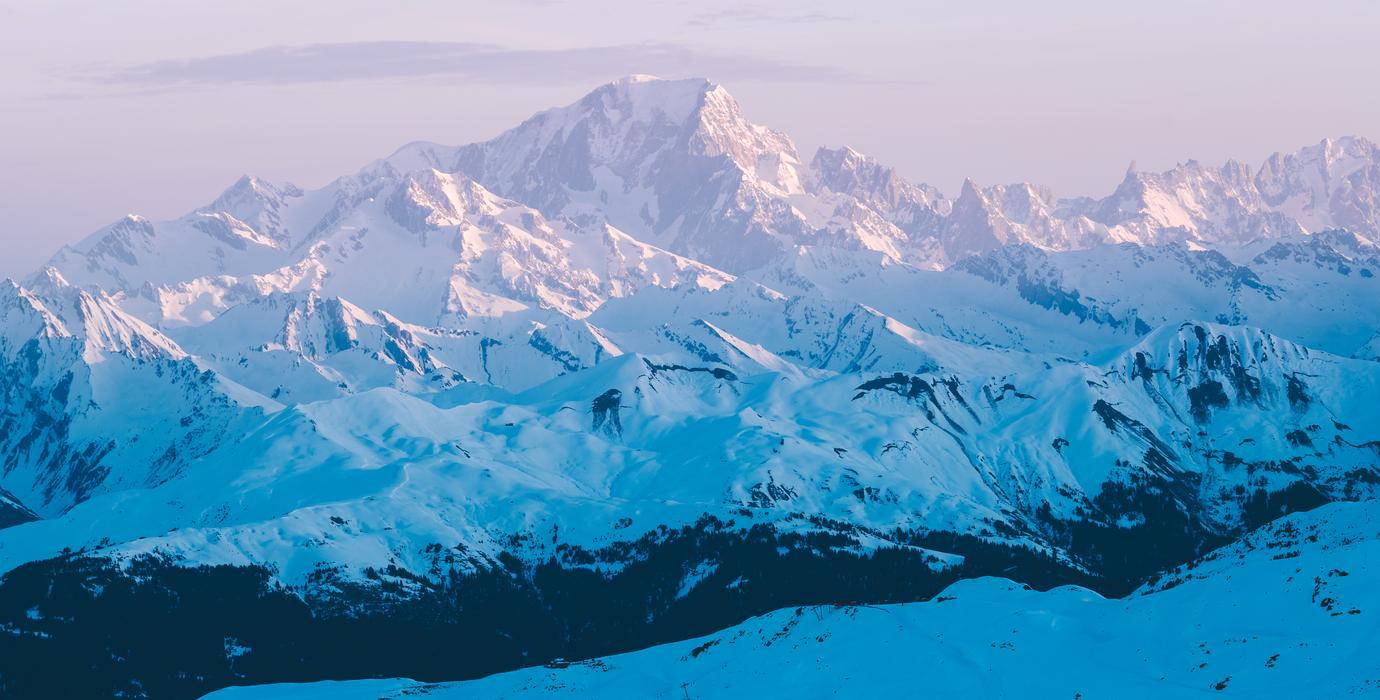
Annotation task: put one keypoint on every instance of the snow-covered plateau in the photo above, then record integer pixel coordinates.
(636, 372)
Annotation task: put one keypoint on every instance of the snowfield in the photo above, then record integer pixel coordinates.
(637, 370)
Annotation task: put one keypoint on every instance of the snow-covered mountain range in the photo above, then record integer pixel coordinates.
(634, 371)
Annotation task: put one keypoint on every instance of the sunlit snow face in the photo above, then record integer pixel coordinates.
(152, 107)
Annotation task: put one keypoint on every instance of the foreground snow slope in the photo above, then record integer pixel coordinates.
(1289, 611)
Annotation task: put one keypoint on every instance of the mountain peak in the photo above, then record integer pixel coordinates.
(253, 188)
(642, 98)
(850, 172)
(970, 190)
(843, 158)
(50, 278)
(1345, 143)
(542, 363)
(255, 202)
(634, 78)
(660, 159)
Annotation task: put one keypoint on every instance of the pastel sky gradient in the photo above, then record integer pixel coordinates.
(155, 106)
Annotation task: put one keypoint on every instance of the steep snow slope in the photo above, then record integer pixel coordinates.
(1286, 612)
(95, 400)
(1192, 434)
(1295, 287)
(362, 420)
(675, 163)
(1087, 303)
(298, 347)
(917, 208)
(678, 165)
(429, 247)
(12, 512)
(1330, 185)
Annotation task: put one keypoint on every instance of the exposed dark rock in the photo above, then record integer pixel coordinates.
(156, 629)
(1205, 397)
(716, 372)
(606, 408)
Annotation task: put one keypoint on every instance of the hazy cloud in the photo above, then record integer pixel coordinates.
(484, 63)
(758, 14)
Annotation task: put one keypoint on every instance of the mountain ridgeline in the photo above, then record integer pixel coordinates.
(635, 371)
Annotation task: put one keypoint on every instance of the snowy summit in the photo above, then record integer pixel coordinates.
(638, 384)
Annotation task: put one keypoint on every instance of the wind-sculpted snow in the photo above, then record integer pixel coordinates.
(632, 372)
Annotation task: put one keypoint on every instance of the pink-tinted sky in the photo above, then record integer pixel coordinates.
(154, 106)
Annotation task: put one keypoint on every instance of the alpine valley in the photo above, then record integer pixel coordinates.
(637, 372)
